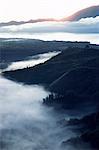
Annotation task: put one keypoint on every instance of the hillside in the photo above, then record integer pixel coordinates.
(89, 131)
(73, 78)
(58, 67)
(84, 13)
(16, 49)
(12, 50)
(73, 73)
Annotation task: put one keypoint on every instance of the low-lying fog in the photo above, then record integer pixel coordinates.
(86, 29)
(32, 61)
(24, 122)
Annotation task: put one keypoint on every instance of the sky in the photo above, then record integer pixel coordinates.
(23, 10)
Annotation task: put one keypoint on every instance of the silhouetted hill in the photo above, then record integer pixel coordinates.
(69, 61)
(73, 78)
(84, 13)
(12, 50)
(25, 22)
(73, 74)
(89, 128)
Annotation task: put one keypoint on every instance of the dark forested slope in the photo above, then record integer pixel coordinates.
(89, 131)
(73, 61)
(73, 78)
(18, 49)
(74, 73)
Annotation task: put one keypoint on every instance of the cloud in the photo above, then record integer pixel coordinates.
(87, 25)
(24, 122)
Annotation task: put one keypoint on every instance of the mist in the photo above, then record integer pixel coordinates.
(86, 29)
(85, 25)
(31, 61)
(24, 122)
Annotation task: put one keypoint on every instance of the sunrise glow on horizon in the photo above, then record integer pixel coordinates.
(22, 10)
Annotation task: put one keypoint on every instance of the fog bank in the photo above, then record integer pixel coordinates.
(85, 25)
(31, 61)
(24, 122)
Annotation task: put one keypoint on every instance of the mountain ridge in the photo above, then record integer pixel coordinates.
(92, 11)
